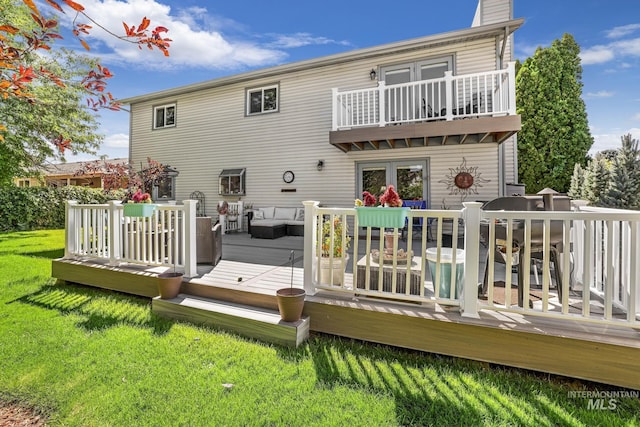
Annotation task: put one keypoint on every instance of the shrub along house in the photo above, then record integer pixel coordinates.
(416, 114)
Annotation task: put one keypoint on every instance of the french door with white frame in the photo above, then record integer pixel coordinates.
(409, 177)
(415, 102)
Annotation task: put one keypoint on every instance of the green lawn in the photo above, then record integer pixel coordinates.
(88, 357)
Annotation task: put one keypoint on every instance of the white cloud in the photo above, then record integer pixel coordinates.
(622, 31)
(636, 116)
(117, 140)
(525, 51)
(604, 53)
(611, 140)
(597, 55)
(600, 94)
(196, 34)
(300, 39)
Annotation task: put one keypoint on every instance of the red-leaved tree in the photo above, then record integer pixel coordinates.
(123, 175)
(17, 44)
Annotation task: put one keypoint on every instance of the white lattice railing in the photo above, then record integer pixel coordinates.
(597, 261)
(490, 93)
(166, 238)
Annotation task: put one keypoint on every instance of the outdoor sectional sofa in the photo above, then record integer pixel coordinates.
(273, 222)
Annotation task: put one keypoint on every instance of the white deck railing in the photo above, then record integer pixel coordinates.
(607, 241)
(102, 232)
(600, 280)
(490, 93)
(232, 220)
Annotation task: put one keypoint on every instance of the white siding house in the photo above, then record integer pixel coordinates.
(288, 118)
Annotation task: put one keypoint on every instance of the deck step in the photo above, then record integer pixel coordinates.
(252, 322)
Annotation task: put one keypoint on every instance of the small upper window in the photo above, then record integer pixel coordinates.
(262, 100)
(164, 116)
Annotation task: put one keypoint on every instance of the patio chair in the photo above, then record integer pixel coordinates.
(417, 222)
(520, 203)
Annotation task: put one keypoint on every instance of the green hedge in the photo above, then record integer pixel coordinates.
(34, 208)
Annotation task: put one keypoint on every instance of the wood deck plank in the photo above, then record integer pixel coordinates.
(251, 322)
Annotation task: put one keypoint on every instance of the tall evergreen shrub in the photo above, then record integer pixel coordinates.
(624, 185)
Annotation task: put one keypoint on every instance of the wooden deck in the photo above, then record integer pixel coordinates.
(589, 351)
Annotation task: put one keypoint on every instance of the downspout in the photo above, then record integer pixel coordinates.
(504, 47)
(500, 51)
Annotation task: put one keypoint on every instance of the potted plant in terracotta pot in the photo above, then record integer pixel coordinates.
(333, 251)
(290, 300)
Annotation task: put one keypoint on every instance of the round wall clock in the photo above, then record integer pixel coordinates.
(288, 177)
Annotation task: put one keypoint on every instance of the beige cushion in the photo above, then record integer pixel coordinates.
(284, 213)
(300, 214)
(268, 212)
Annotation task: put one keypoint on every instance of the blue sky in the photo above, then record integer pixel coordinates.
(216, 39)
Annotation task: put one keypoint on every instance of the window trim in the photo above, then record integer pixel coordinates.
(229, 173)
(156, 189)
(391, 167)
(261, 89)
(165, 106)
(414, 67)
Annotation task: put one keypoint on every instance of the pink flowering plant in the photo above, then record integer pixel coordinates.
(369, 199)
(140, 197)
(390, 198)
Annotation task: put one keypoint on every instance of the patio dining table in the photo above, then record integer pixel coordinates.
(518, 241)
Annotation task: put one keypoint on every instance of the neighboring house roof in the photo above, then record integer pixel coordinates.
(69, 169)
(498, 30)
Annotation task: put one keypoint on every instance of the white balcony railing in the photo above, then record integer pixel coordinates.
(597, 261)
(102, 232)
(490, 93)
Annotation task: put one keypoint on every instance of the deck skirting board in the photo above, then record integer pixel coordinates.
(577, 358)
(251, 322)
(131, 281)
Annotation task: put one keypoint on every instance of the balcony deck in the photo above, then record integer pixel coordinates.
(252, 269)
(472, 131)
(461, 109)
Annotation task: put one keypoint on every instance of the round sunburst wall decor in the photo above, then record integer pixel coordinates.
(463, 180)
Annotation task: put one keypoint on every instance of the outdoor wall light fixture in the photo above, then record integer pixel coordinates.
(320, 165)
(372, 74)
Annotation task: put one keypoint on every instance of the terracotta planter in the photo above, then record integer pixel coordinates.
(169, 285)
(290, 303)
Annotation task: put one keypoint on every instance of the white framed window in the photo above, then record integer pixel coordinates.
(164, 189)
(232, 182)
(263, 100)
(164, 116)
